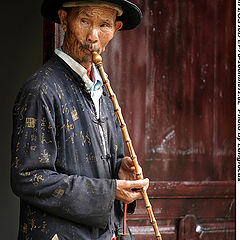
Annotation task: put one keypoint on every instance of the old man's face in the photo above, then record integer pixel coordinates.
(88, 29)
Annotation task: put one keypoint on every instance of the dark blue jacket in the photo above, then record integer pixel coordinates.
(65, 182)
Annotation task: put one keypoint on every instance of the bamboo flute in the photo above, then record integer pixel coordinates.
(97, 59)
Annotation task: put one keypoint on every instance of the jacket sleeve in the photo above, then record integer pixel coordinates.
(34, 177)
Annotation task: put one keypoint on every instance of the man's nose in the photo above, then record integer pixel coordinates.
(92, 36)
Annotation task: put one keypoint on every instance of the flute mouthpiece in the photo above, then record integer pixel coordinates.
(97, 59)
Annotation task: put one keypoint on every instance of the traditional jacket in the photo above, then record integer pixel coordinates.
(65, 181)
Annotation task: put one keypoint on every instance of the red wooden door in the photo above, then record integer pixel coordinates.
(174, 78)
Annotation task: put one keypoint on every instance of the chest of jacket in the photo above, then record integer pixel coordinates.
(79, 143)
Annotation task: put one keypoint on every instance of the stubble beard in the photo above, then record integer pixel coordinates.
(86, 53)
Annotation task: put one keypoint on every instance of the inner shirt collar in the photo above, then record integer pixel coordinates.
(91, 85)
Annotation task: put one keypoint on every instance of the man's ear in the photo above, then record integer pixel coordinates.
(62, 14)
(118, 26)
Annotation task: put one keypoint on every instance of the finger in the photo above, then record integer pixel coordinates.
(125, 163)
(132, 169)
(129, 161)
(139, 184)
(136, 195)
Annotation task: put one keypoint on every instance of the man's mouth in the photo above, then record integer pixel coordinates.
(89, 49)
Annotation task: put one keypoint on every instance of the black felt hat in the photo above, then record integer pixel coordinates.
(131, 16)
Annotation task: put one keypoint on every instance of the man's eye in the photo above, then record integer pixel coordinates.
(104, 25)
(84, 21)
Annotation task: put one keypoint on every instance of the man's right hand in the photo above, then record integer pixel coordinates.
(129, 191)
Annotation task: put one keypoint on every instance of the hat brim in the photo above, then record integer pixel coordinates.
(131, 16)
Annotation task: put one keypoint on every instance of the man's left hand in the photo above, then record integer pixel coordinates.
(127, 170)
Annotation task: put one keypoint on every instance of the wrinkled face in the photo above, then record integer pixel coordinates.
(87, 29)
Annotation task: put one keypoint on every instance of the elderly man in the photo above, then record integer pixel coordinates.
(68, 164)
